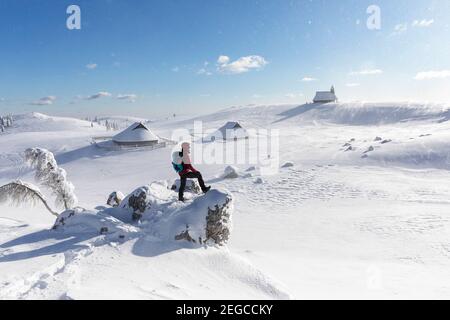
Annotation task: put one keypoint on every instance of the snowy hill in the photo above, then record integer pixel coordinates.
(360, 210)
(368, 113)
(122, 122)
(357, 113)
(36, 122)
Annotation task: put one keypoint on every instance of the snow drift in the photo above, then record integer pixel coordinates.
(360, 113)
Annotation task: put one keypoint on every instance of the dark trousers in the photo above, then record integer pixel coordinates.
(190, 175)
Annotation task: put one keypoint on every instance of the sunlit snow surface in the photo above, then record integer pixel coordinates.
(363, 213)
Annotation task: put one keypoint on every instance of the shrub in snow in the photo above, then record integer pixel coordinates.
(288, 165)
(19, 193)
(115, 199)
(192, 186)
(378, 139)
(247, 175)
(253, 168)
(230, 172)
(51, 176)
(386, 141)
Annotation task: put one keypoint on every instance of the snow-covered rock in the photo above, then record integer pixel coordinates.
(288, 165)
(259, 180)
(207, 220)
(115, 199)
(137, 202)
(142, 199)
(192, 186)
(204, 221)
(370, 149)
(81, 221)
(230, 172)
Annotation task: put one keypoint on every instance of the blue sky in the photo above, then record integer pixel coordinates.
(153, 58)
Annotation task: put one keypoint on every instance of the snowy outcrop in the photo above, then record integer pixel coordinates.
(192, 186)
(138, 202)
(81, 221)
(230, 172)
(115, 199)
(206, 221)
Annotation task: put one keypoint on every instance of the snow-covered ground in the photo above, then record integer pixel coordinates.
(362, 213)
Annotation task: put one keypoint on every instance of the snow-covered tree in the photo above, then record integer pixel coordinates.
(51, 176)
(19, 193)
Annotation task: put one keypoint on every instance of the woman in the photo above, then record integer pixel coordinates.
(182, 165)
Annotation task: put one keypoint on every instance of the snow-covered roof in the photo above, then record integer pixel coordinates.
(137, 132)
(325, 96)
(231, 130)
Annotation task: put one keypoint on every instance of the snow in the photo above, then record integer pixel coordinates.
(335, 225)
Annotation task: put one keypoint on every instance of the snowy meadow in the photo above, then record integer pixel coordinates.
(355, 206)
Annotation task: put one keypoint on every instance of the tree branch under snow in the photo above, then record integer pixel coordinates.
(19, 192)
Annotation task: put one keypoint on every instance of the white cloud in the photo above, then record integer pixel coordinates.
(257, 96)
(366, 72)
(128, 97)
(309, 79)
(428, 75)
(45, 101)
(293, 95)
(175, 69)
(91, 66)
(352, 85)
(241, 65)
(205, 72)
(423, 23)
(399, 29)
(223, 60)
(403, 27)
(99, 95)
